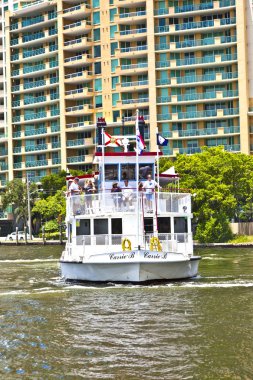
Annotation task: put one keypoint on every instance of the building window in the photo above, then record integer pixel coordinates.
(97, 67)
(96, 34)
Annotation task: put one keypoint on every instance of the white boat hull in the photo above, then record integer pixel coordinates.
(138, 270)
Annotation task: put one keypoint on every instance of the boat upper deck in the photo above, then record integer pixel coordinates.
(117, 203)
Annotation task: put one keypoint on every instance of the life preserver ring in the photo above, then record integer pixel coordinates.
(155, 244)
(126, 245)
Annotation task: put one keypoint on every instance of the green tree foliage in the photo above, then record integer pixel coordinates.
(16, 195)
(52, 183)
(51, 208)
(222, 184)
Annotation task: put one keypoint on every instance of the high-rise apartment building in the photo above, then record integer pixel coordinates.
(186, 65)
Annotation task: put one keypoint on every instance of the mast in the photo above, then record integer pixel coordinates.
(137, 177)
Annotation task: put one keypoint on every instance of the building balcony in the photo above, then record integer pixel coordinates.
(80, 142)
(36, 117)
(76, 11)
(191, 27)
(206, 7)
(80, 110)
(36, 148)
(129, 3)
(132, 34)
(193, 115)
(35, 54)
(78, 27)
(79, 93)
(132, 69)
(130, 17)
(36, 132)
(78, 60)
(77, 44)
(133, 103)
(33, 6)
(79, 77)
(211, 132)
(188, 80)
(36, 163)
(88, 158)
(34, 38)
(35, 85)
(37, 70)
(198, 97)
(201, 44)
(33, 23)
(3, 166)
(132, 86)
(133, 51)
(75, 127)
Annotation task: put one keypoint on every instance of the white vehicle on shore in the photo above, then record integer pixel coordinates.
(21, 236)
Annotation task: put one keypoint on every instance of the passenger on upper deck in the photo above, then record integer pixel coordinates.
(149, 187)
(127, 195)
(74, 188)
(117, 198)
(89, 190)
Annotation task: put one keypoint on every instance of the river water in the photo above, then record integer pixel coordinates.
(197, 329)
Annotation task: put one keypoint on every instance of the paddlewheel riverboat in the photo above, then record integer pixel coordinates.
(128, 236)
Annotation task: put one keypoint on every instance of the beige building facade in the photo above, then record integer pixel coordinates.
(186, 65)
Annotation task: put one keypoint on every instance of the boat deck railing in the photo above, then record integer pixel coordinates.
(108, 203)
(171, 243)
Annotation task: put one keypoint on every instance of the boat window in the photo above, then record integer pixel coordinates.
(100, 226)
(127, 171)
(180, 225)
(116, 226)
(148, 225)
(144, 170)
(163, 225)
(111, 172)
(83, 227)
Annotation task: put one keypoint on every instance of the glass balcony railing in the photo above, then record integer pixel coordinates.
(163, 81)
(165, 116)
(77, 91)
(76, 8)
(34, 163)
(135, 84)
(32, 69)
(74, 58)
(55, 112)
(52, 32)
(232, 148)
(194, 7)
(15, 103)
(189, 150)
(32, 53)
(54, 80)
(32, 21)
(53, 64)
(14, 26)
(233, 129)
(56, 161)
(56, 144)
(74, 159)
(17, 165)
(76, 125)
(14, 41)
(34, 84)
(75, 108)
(16, 119)
(34, 132)
(135, 101)
(77, 24)
(33, 148)
(54, 96)
(33, 116)
(77, 74)
(15, 57)
(132, 31)
(37, 99)
(33, 37)
(75, 142)
(3, 166)
(52, 15)
(133, 48)
(140, 65)
(55, 128)
(132, 14)
(16, 134)
(197, 132)
(163, 99)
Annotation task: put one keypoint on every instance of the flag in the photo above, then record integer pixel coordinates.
(111, 140)
(140, 144)
(161, 140)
